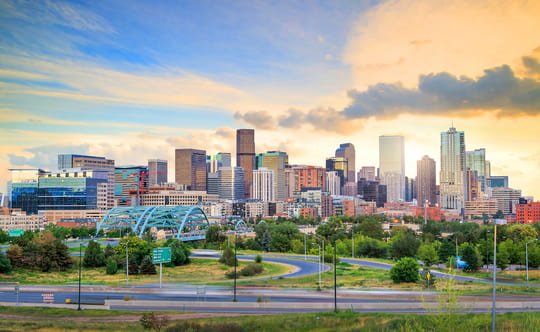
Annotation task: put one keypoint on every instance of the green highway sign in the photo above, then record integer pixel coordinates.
(161, 255)
(15, 232)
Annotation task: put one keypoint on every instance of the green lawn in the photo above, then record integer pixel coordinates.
(199, 271)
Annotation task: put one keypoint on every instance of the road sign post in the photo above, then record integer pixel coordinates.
(161, 255)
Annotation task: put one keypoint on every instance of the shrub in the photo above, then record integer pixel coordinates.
(251, 270)
(228, 257)
(153, 321)
(258, 259)
(230, 274)
(5, 264)
(405, 270)
(111, 267)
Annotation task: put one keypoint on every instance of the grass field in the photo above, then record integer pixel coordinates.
(39, 319)
(199, 271)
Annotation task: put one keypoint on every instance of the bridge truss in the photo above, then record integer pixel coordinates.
(188, 222)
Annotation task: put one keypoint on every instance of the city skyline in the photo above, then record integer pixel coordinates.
(133, 82)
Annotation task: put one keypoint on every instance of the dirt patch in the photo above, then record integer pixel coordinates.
(124, 318)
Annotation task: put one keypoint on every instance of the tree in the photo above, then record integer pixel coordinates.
(405, 270)
(109, 251)
(111, 267)
(447, 249)
(371, 228)
(228, 257)
(147, 267)
(428, 254)
(137, 249)
(93, 255)
(503, 258)
(372, 248)
(265, 241)
(59, 232)
(213, 234)
(498, 215)
(5, 264)
(471, 257)
(404, 244)
(179, 252)
(4, 236)
(15, 255)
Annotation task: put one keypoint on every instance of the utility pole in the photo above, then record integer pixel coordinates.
(127, 263)
(80, 263)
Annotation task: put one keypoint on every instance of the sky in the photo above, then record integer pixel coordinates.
(134, 80)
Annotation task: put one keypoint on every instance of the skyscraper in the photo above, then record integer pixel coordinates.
(392, 166)
(340, 165)
(231, 183)
(476, 161)
(276, 161)
(453, 166)
(426, 185)
(157, 172)
(346, 150)
(130, 182)
(263, 184)
(245, 156)
(333, 183)
(367, 172)
(190, 168)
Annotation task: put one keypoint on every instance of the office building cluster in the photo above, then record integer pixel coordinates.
(266, 184)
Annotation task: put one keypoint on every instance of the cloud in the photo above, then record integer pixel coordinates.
(498, 89)
(55, 12)
(258, 119)
(454, 36)
(46, 156)
(532, 64)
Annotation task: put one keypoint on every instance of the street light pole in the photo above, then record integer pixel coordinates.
(235, 263)
(494, 294)
(527, 258)
(319, 261)
(127, 262)
(335, 278)
(80, 263)
(305, 249)
(352, 240)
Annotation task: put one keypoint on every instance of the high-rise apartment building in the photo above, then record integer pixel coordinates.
(333, 183)
(231, 183)
(392, 166)
(346, 150)
(309, 177)
(69, 161)
(453, 166)
(368, 172)
(190, 168)
(245, 156)
(263, 184)
(426, 185)
(275, 161)
(157, 172)
(476, 161)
